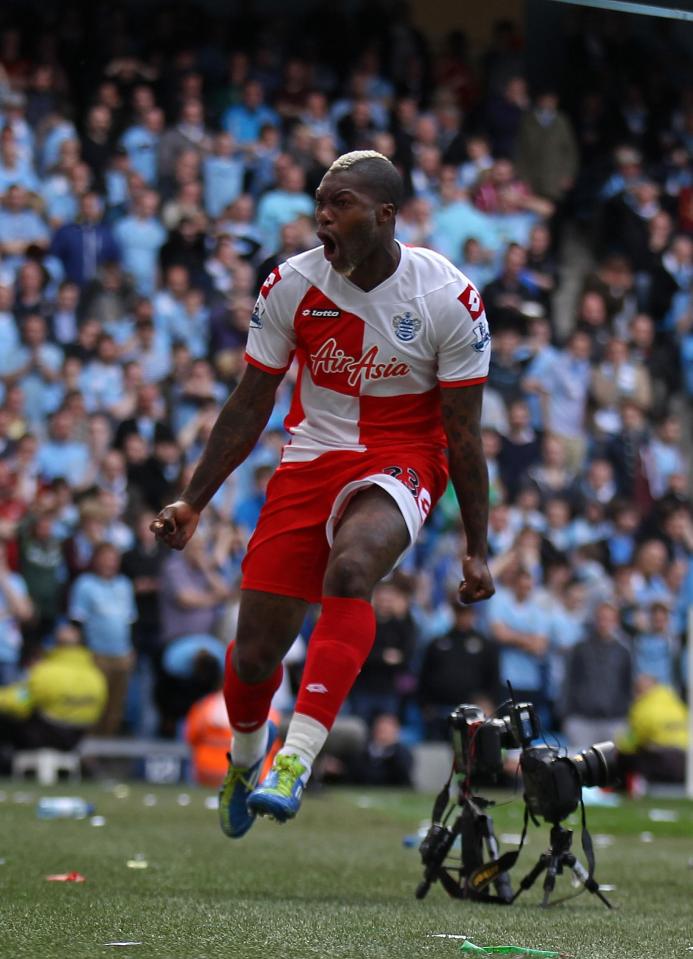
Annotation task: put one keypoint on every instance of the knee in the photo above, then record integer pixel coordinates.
(253, 663)
(347, 576)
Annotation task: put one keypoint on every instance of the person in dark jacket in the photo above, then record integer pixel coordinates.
(85, 245)
(598, 683)
(385, 761)
(459, 667)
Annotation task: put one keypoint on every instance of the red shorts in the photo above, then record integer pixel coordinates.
(288, 552)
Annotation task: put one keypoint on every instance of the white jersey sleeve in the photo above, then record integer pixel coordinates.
(462, 334)
(271, 334)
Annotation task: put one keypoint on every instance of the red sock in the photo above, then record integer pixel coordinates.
(248, 706)
(338, 647)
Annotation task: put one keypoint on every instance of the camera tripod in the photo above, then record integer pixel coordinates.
(553, 860)
(469, 878)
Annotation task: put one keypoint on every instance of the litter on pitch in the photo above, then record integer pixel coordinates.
(22, 798)
(67, 877)
(139, 861)
(133, 943)
(517, 952)
(663, 815)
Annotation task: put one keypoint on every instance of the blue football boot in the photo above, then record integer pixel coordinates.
(279, 795)
(234, 818)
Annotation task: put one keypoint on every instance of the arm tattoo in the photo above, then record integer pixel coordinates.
(461, 408)
(235, 433)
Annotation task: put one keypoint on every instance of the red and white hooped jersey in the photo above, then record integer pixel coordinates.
(370, 364)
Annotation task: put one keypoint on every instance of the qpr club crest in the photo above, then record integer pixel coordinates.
(406, 326)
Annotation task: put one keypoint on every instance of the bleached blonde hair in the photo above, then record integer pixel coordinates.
(382, 176)
(347, 160)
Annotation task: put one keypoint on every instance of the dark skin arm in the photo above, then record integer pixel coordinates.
(235, 433)
(461, 409)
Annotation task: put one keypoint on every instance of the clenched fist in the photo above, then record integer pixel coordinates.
(175, 524)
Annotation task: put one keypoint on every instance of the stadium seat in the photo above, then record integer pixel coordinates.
(46, 765)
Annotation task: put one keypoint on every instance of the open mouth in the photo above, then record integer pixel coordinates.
(329, 246)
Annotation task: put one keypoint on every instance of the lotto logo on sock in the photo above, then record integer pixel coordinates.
(316, 688)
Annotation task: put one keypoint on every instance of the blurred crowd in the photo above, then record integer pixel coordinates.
(153, 173)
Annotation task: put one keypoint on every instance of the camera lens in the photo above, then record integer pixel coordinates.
(597, 765)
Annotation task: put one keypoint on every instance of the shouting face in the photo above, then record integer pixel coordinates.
(352, 223)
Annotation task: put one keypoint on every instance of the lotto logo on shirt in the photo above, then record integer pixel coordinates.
(470, 298)
(271, 281)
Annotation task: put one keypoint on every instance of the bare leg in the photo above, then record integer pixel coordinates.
(370, 538)
(267, 626)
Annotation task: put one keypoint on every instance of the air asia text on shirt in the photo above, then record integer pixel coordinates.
(330, 359)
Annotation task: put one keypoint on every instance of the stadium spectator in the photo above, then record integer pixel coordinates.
(189, 134)
(656, 648)
(141, 142)
(21, 227)
(140, 236)
(598, 682)
(459, 667)
(60, 455)
(506, 295)
(503, 115)
(192, 595)
(61, 698)
(615, 379)
(98, 141)
(520, 627)
(283, 204)
(16, 610)
(102, 603)
(564, 390)
(546, 149)
(386, 760)
(43, 571)
(654, 745)
(520, 448)
(245, 120)
(85, 244)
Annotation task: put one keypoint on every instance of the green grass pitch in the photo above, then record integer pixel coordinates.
(337, 882)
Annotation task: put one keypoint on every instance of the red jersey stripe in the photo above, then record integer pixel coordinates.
(296, 413)
(412, 419)
(453, 383)
(265, 369)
